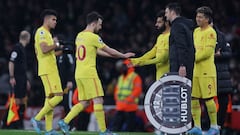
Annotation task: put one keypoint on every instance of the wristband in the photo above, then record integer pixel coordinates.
(57, 44)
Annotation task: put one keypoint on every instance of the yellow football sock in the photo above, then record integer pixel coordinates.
(49, 120)
(212, 111)
(48, 105)
(74, 112)
(196, 113)
(100, 116)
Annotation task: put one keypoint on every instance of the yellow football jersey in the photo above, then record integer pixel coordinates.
(46, 62)
(204, 43)
(87, 44)
(158, 55)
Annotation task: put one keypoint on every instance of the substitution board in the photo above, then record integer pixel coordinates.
(168, 104)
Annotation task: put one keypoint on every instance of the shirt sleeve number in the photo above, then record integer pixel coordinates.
(81, 52)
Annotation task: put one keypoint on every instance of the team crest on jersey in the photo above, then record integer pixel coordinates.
(211, 36)
(41, 33)
(100, 40)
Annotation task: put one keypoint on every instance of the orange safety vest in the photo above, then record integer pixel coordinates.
(127, 92)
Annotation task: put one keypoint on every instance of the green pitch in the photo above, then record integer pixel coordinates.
(30, 132)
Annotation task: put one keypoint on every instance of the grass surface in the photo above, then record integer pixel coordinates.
(30, 132)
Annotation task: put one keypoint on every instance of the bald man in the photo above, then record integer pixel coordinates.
(18, 76)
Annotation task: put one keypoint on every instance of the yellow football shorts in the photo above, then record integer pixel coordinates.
(89, 88)
(51, 83)
(204, 87)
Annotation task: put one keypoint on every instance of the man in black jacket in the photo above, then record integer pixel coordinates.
(181, 49)
(223, 54)
(66, 67)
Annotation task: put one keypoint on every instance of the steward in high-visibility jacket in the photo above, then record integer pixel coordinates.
(128, 89)
(127, 92)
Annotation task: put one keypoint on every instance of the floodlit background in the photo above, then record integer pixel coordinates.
(128, 26)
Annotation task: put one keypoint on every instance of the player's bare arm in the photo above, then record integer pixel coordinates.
(45, 48)
(102, 53)
(116, 54)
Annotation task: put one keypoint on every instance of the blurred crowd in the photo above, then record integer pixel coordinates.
(128, 26)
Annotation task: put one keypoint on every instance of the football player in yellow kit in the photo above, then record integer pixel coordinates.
(204, 73)
(159, 54)
(47, 70)
(88, 45)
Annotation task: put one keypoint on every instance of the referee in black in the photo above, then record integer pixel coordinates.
(18, 77)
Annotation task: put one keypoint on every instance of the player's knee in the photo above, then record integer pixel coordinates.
(59, 98)
(84, 103)
(98, 100)
(87, 104)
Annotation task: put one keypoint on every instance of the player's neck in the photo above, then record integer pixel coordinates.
(167, 30)
(89, 28)
(46, 27)
(204, 27)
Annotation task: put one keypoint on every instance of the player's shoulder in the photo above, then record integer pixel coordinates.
(197, 29)
(41, 31)
(210, 30)
(87, 34)
(17, 47)
(165, 35)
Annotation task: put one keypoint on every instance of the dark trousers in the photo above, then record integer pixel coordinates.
(124, 121)
(223, 103)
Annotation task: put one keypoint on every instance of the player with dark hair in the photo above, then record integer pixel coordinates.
(88, 45)
(159, 53)
(181, 49)
(204, 74)
(47, 70)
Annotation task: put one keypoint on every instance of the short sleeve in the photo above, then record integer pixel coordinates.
(42, 36)
(13, 56)
(99, 42)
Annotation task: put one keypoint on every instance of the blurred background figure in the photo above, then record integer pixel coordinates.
(66, 68)
(127, 92)
(18, 77)
(223, 53)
